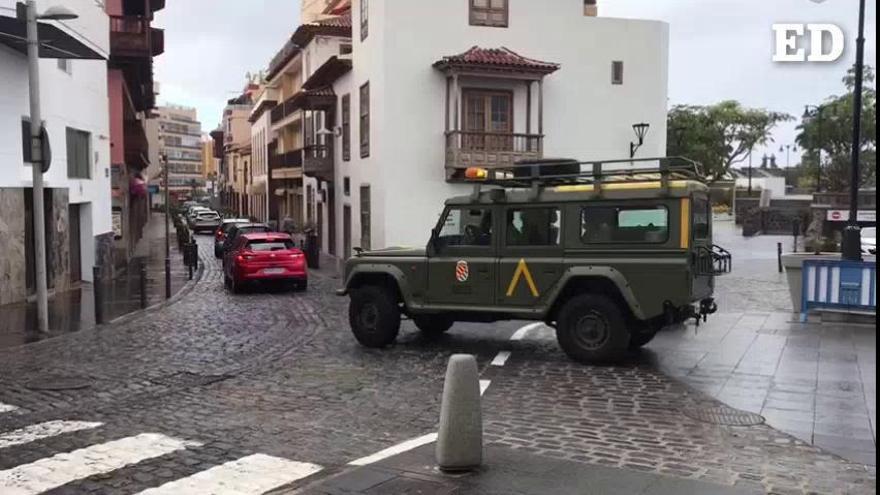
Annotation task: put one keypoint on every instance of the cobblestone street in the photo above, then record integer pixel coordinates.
(269, 390)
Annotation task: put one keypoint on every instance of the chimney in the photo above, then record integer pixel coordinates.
(591, 9)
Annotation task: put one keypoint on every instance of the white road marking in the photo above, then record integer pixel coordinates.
(6, 408)
(501, 358)
(521, 333)
(256, 473)
(397, 449)
(61, 469)
(40, 431)
(484, 384)
(407, 445)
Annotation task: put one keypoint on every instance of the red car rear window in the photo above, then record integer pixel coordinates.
(270, 245)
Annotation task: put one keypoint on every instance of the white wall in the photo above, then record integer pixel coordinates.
(585, 116)
(79, 100)
(776, 185)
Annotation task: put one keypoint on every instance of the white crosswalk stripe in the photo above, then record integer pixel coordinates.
(60, 469)
(252, 474)
(6, 408)
(40, 431)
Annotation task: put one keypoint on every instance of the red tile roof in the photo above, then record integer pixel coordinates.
(339, 26)
(497, 59)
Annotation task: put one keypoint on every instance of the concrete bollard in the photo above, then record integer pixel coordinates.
(460, 439)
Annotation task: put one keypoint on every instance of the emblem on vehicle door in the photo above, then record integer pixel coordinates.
(522, 271)
(462, 271)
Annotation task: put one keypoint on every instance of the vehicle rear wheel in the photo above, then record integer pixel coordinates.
(591, 329)
(300, 285)
(374, 316)
(433, 325)
(226, 282)
(641, 339)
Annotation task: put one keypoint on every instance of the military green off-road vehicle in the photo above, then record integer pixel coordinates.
(606, 253)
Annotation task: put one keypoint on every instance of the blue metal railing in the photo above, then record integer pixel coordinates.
(842, 285)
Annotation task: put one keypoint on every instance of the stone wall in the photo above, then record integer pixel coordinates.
(13, 284)
(58, 242)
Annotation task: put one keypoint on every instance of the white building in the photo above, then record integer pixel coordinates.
(74, 101)
(418, 91)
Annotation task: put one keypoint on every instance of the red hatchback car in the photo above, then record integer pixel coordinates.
(264, 257)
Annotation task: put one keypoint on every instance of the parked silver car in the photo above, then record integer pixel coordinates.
(205, 221)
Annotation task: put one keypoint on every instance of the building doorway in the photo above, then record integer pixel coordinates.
(75, 243)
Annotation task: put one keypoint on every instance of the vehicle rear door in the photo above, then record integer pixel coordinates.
(462, 261)
(701, 245)
(530, 260)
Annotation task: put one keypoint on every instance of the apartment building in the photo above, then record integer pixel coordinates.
(261, 135)
(75, 108)
(236, 135)
(179, 141)
(133, 44)
(376, 117)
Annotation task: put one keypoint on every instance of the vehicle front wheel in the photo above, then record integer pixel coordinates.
(591, 329)
(433, 325)
(374, 316)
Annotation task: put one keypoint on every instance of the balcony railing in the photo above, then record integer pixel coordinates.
(132, 36)
(318, 161)
(489, 150)
(291, 159)
(284, 110)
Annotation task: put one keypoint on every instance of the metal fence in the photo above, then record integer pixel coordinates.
(841, 285)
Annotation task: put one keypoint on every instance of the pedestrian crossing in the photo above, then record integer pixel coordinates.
(251, 474)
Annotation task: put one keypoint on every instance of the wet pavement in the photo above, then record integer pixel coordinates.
(228, 387)
(74, 310)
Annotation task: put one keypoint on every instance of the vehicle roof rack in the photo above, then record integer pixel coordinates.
(535, 174)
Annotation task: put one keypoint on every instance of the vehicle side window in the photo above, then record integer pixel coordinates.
(533, 227)
(615, 225)
(466, 227)
(701, 218)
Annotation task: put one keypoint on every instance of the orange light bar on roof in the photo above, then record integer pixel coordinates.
(476, 173)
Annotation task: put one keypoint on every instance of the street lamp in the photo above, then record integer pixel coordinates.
(813, 111)
(787, 149)
(641, 129)
(55, 13)
(852, 234)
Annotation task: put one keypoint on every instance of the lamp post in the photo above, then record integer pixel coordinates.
(813, 111)
(852, 234)
(641, 129)
(164, 157)
(55, 13)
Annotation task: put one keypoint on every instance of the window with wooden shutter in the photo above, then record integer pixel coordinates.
(494, 13)
(365, 120)
(346, 127)
(78, 163)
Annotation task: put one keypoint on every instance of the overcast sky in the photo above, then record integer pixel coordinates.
(719, 49)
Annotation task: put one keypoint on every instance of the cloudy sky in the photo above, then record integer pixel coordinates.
(719, 49)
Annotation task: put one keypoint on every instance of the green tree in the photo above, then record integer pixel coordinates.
(829, 130)
(721, 135)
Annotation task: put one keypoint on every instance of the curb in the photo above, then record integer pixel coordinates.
(183, 292)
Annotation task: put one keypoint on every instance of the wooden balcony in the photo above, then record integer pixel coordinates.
(489, 150)
(291, 159)
(132, 36)
(318, 162)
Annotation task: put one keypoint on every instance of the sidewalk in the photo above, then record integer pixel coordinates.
(510, 472)
(74, 310)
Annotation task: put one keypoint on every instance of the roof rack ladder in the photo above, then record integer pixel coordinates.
(597, 178)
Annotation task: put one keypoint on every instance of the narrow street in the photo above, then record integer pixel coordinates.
(269, 390)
